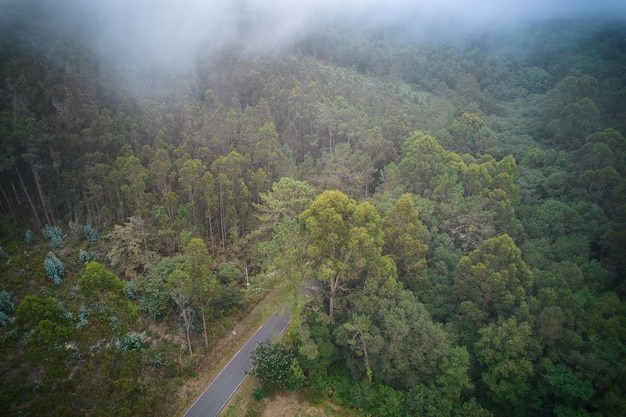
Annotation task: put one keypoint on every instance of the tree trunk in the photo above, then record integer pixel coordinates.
(10, 209)
(188, 340)
(41, 196)
(211, 232)
(334, 283)
(30, 201)
(222, 217)
(206, 337)
(367, 361)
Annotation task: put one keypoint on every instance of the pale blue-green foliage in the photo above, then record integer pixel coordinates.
(3, 253)
(90, 233)
(5, 320)
(84, 256)
(83, 316)
(132, 341)
(29, 237)
(131, 291)
(67, 313)
(54, 234)
(156, 359)
(7, 307)
(54, 268)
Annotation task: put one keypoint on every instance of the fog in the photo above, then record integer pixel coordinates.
(172, 34)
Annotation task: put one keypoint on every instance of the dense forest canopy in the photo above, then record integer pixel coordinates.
(453, 200)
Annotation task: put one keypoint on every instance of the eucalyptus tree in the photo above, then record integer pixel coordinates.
(343, 238)
(403, 241)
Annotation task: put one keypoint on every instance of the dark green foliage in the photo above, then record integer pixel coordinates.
(156, 300)
(277, 365)
(228, 273)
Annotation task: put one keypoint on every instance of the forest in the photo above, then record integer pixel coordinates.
(446, 215)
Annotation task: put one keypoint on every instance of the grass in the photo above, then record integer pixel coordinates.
(282, 404)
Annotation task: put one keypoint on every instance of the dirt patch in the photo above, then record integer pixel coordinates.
(291, 404)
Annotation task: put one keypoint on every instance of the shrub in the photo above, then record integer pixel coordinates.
(156, 359)
(54, 268)
(132, 341)
(84, 256)
(7, 308)
(56, 237)
(29, 237)
(90, 233)
(131, 291)
(5, 320)
(228, 273)
(277, 365)
(6, 304)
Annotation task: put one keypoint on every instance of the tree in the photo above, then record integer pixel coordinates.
(203, 281)
(357, 334)
(343, 238)
(403, 232)
(45, 327)
(507, 349)
(129, 253)
(34, 140)
(492, 281)
(268, 153)
(422, 161)
(570, 112)
(197, 183)
(471, 135)
(287, 199)
(229, 173)
(392, 339)
(135, 176)
(103, 295)
(181, 289)
(347, 170)
(54, 268)
(161, 173)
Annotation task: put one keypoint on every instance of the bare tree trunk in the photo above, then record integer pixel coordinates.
(49, 219)
(30, 201)
(206, 337)
(367, 361)
(222, 215)
(334, 283)
(10, 207)
(211, 232)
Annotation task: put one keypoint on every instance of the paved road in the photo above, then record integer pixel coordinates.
(217, 394)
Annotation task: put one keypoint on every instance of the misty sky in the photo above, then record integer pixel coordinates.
(173, 32)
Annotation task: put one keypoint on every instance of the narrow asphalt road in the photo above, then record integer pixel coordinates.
(217, 394)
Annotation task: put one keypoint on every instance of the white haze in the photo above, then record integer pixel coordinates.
(172, 34)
